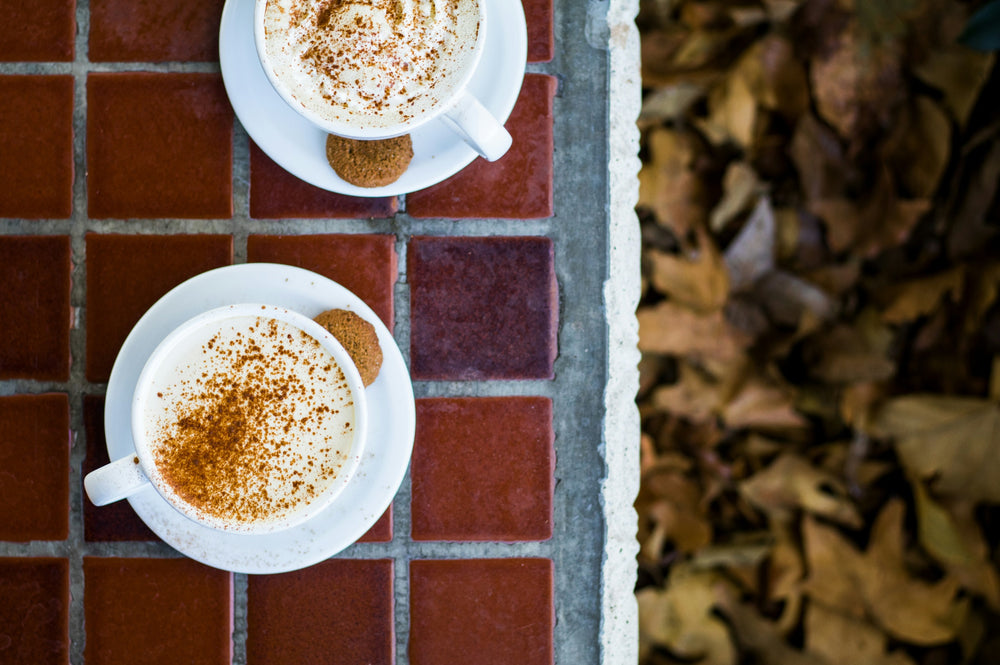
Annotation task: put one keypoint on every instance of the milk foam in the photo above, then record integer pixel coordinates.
(287, 396)
(370, 63)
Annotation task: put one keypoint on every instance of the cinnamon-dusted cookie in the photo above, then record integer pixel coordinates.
(369, 163)
(359, 339)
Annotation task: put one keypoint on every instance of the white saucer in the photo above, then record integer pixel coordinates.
(390, 408)
(300, 148)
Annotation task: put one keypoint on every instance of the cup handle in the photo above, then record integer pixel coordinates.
(115, 481)
(469, 119)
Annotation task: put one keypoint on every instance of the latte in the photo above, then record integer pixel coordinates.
(249, 422)
(370, 63)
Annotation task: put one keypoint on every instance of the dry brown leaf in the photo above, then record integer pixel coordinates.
(775, 76)
(794, 302)
(785, 572)
(741, 188)
(694, 395)
(751, 254)
(698, 279)
(857, 84)
(760, 636)
(838, 638)
(732, 112)
(759, 403)
(669, 103)
(667, 185)
(858, 402)
(949, 533)
(959, 73)
(668, 327)
(831, 562)
(920, 146)
(819, 159)
(658, 48)
(920, 297)
(907, 608)
(681, 618)
(870, 227)
(950, 440)
(791, 483)
(856, 353)
(877, 584)
(836, 279)
(983, 293)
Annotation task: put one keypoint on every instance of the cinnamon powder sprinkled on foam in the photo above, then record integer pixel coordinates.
(370, 62)
(259, 423)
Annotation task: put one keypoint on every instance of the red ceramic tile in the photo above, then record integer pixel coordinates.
(34, 458)
(338, 611)
(154, 30)
(539, 16)
(126, 274)
(37, 31)
(486, 611)
(482, 308)
(363, 264)
(156, 611)
(158, 145)
(116, 521)
(519, 184)
(34, 611)
(34, 307)
(36, 145)
(500, 488)
(381, 531)
(276, 193)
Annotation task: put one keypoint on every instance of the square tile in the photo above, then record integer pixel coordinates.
(159, 145)
(519, 184)
(36, 145)
(154, 30)
(35, 312)
(483, 611)
(482, 308)
(539, 15)
(338, 611)
(156, 611)
(37, 31)
(116, 521)
(127, 274)
(34, 458)
(34, 611)
(499, 489)
(363, 264)
(381, 531)
(276, 193)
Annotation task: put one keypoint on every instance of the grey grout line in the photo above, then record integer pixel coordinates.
(240, 618)
(401, 609)
(83, 67)
(78, 337)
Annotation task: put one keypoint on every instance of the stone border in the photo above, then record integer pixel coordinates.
(619, 637)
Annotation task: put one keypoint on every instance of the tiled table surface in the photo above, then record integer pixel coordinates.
(123, 172)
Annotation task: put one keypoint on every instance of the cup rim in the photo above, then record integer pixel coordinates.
(295, 319)
(367, 133)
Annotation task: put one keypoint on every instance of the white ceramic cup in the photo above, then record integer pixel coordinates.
(460, 110)
(128, 475)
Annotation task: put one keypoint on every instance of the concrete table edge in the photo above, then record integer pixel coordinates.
(619, 636)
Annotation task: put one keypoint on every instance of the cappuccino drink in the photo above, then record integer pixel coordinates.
(250, 420)
(369, 64)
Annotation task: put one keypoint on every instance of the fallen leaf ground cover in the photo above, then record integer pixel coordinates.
(820, 333)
